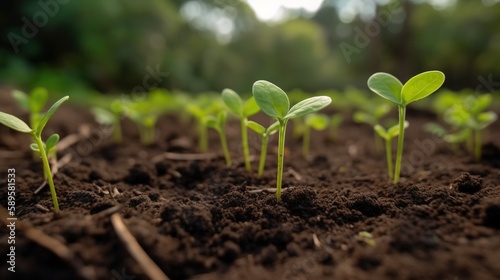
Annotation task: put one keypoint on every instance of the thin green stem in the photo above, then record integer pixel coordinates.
(306, 139)
(203, 140)
(46, 170)
(469, 142)
(225, 150)
(263, 153)
(244, 140)
(378, 143)
(281, 155)
(477, 143)
(399, 156)
(388, 151)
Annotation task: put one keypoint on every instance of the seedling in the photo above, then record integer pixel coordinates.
(265, 133)
(218, 123)
(111, 116)
(317, 122)
(242, 110)
(468, 119)
(144, 113)
(274, 102)
(32, 103)
(200, 110)
(372, 116)
(390, 88)
(387, 135)
(17, 124)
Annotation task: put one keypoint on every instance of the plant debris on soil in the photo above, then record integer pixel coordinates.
(195, 218)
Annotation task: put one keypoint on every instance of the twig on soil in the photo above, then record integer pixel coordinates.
(42, 208)
(107, 212)
(135, 250)
(316, 241)
(178, 156)
(66, 142)
(55, 169)
(51, 244)
(295, 174)
(252, 189)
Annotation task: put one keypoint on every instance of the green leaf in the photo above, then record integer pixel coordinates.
(310, 105)
(273, 128)
(387, 86)
(233, 102)
(435, 129)
(458, 137)
(22, 99)
(195, 111)
(421, 86)
(250, 108)
(476, 105)
(38, 99)
(381, 131)
(317, 121)
(394, 130)
(34, 147)
(362, 117)
(49, 114)
(259, 129)
(221, 118)
(52, 141)
(103, 116)
(486, 118)
(271, 99)
(211, 121)
(14, 122)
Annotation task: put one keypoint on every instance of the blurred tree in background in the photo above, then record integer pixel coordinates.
(201, 45)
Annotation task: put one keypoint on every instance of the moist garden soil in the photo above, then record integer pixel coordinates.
(198, 219)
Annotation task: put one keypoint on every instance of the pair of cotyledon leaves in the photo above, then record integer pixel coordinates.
(416, 88)
(274, 102)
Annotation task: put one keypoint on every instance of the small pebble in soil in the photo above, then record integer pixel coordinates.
(467, 183)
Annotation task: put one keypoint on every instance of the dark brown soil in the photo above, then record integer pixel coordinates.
(202, 220)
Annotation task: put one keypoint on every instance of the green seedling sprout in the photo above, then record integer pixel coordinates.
(470, 118)
(242, 110)
(200, 110)
(387, 135)
(274, 102)
(317, 122)
(145, 113)
(372, 116)
(416, 88)
(17, 124)
(265, 133)
(33, 103)
(111, 116)
(218, 123)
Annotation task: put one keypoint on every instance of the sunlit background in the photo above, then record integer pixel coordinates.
(196, 46)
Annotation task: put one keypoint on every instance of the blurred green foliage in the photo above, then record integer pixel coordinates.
(127, 46)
